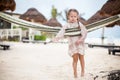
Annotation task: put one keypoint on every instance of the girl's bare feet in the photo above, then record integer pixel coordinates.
(82, 74)
(75, 74)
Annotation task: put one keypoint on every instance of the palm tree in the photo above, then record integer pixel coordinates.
(54, 12)
(53, 20)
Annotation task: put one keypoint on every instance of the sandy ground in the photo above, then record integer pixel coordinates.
(36, 61)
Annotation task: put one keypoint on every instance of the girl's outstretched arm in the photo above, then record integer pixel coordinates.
(60, 34)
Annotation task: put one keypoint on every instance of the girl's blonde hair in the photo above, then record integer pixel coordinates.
(74, 10)
(71, 10)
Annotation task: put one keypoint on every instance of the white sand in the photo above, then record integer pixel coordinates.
(28, 61)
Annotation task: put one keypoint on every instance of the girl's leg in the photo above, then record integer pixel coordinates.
(82, 62)
(75, 60)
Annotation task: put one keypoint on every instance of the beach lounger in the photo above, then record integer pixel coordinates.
(102, 45)
(111, 48)
(4, 46)
(113, 51)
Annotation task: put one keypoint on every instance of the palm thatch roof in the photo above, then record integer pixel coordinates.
(53, 22)
(82, 20)
(110, 8)
(7, 5)
(96, 17)
(33, 15)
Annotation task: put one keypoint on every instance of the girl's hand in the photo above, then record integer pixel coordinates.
(79, 41)
(55, 40)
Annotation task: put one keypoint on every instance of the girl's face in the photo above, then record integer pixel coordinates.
(72, 17)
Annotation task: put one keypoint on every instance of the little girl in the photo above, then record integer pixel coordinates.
(76, 43)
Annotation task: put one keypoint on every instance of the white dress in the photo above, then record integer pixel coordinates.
(73, 48)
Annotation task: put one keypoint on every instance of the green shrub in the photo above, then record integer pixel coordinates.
(40, 37)
(23, 28)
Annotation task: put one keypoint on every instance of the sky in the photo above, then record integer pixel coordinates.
(86, 8)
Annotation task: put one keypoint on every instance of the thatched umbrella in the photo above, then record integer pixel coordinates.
(96, 17)
(7, 5)
(53, 22)
(111, 7)
(33, 15)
